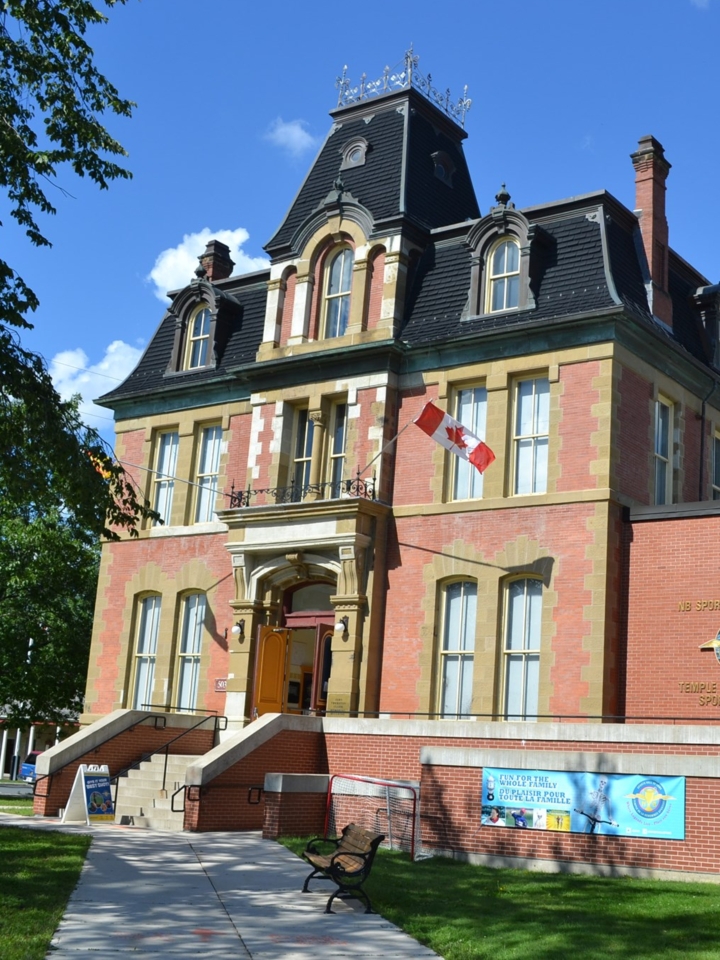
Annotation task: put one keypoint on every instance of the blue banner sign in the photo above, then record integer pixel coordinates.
(622, 805)
(98, 794)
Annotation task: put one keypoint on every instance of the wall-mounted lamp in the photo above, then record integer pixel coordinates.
(238, 630)
(342, 625)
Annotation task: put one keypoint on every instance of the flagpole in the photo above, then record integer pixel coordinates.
(389, 443)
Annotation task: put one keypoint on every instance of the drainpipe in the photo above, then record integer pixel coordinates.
(702, 440)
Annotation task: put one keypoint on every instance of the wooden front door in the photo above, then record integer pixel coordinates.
(271, 670)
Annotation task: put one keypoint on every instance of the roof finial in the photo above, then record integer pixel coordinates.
(502, 196)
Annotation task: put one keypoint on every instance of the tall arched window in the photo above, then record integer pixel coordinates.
(504, 277)
(337, 292)
(523, 629)
(457, 650)
(146, 652)
(198, 340)
(193, 618)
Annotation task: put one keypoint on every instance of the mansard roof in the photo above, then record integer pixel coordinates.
(249, 293)
(588, 265)
(397, 181)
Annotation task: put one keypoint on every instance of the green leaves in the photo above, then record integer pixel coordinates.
(60, 489)
(48, 575)
(52, 100)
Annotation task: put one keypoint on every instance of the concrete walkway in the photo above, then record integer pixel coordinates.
(209, 895)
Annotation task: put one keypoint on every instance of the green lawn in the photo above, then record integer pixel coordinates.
(465, 912)
(38, 872)
(20, 806)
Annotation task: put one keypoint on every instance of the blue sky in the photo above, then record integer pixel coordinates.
(233, 101)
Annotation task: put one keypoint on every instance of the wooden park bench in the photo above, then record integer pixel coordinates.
(347, 863)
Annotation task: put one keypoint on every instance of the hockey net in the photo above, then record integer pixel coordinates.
(390, 807)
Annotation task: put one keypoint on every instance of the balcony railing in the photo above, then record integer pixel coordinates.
(296, 493)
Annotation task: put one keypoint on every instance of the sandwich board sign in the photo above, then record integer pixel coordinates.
(90, 799)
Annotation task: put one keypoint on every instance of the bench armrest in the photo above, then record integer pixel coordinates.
(312, 845)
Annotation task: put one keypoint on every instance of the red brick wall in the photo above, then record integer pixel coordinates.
(450, 803)
(223, 803)
(561, 532)
(287, 309)
(633, 424)
(576, 427)
(238, 439)
(170, 554)
(118, 753)
(398, 757)
(414, 472)
(691, 468)
(451, 820)
(673, 563)
(294, 814)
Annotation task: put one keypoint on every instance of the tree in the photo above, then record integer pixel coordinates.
(52, 98)
(48, 575)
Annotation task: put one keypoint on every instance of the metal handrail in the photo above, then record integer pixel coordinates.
(166, 748)
(180, 789)
(136, 723)
(609, 718)
(296, 493)
(176, 708)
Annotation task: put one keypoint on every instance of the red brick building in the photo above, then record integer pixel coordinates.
(320, 555)
(308, 560)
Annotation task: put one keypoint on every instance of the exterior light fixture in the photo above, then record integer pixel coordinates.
(238, 630)
(342, 625)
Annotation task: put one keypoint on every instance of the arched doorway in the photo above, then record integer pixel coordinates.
(293, 661)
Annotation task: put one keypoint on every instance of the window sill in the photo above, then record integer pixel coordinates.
(192, 530)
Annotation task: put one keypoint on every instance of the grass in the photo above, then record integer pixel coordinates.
(19, 806)
(466, 912)
(38, 872)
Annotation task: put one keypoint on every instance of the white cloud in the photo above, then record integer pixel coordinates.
(292, 136)
(175, 267)
(72, 373)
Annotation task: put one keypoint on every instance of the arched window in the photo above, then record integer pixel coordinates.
(457, 649)
(193, 618)
(146, 652)
(337, 292)
(503, 289)
(523, 629)
(198, 339)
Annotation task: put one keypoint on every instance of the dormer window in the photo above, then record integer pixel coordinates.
(337, 292)
(504, 277)
(198, 340)
(508, 258)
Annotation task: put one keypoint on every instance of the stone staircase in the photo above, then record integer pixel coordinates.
(141, 800)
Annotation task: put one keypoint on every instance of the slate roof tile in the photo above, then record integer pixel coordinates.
(375, 184)
(429, 201)
(241, 347)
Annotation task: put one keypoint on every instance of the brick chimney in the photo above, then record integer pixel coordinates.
(651, 170)
(216, 260)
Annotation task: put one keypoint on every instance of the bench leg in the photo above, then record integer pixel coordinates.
(315, 873)
(352, 893)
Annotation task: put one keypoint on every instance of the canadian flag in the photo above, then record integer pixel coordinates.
(454, 436)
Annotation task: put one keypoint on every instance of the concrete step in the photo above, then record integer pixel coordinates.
(157, 823)
(147, 791)
(141, 800)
